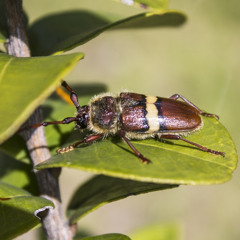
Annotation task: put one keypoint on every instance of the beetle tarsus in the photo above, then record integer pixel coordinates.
(216, 152)
(210, 115)
(65, 149)
(144, 160)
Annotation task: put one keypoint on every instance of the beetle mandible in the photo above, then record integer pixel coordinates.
(135, 116)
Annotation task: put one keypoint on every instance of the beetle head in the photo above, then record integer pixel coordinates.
(83, 117)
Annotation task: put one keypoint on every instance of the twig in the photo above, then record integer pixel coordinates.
(53, 220)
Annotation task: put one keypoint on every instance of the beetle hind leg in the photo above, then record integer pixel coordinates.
(210, 115)
(177, 96)
(205, 149)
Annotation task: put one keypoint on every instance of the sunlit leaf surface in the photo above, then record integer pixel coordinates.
(25, 83)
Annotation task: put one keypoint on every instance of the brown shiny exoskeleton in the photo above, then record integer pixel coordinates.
(135, 116)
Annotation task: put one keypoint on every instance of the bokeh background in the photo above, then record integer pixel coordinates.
(199, 60)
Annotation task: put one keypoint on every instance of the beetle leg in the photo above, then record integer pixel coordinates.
(139, 155)
(177, 137)
(176, 96)
(44, 124)
(85, 140)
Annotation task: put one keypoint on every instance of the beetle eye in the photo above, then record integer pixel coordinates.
(82, 123)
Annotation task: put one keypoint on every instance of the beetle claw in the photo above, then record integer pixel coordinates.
(144, 160)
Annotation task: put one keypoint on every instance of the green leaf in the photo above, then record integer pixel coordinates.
(18, 210)
(15, 147)
(174, 162)
(155, 4)
(65, 31)
(10, 191)
(17, 173)
(101, 190)
(25, 83)
(110, 236)
(170, 231)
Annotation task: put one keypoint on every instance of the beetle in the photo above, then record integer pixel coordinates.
(135, 116)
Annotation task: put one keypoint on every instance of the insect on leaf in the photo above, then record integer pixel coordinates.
(174, 162)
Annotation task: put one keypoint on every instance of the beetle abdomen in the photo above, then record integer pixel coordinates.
(179, 116)
(150, 114)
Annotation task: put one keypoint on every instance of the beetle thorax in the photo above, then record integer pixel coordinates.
(104, 114)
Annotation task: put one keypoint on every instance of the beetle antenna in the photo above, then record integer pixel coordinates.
(73, 95)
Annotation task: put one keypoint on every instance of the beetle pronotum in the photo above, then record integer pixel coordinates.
(135, 116)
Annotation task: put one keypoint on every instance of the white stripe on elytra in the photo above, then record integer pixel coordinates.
(152, 114)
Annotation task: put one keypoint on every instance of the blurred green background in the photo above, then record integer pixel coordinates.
(199, 60)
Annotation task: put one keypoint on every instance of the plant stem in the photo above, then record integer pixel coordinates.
(53, 220)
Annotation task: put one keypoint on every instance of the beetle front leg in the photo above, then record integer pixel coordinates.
(177, 137)
(45, 124)
(85, 140)
(139, 155)
(176, 96)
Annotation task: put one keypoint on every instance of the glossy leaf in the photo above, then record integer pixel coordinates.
(53, 34)
(110, 236)
(18, 209)
(102, 189)
(156, 4)
(174, 162)
(25, 83)
(170, 231)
